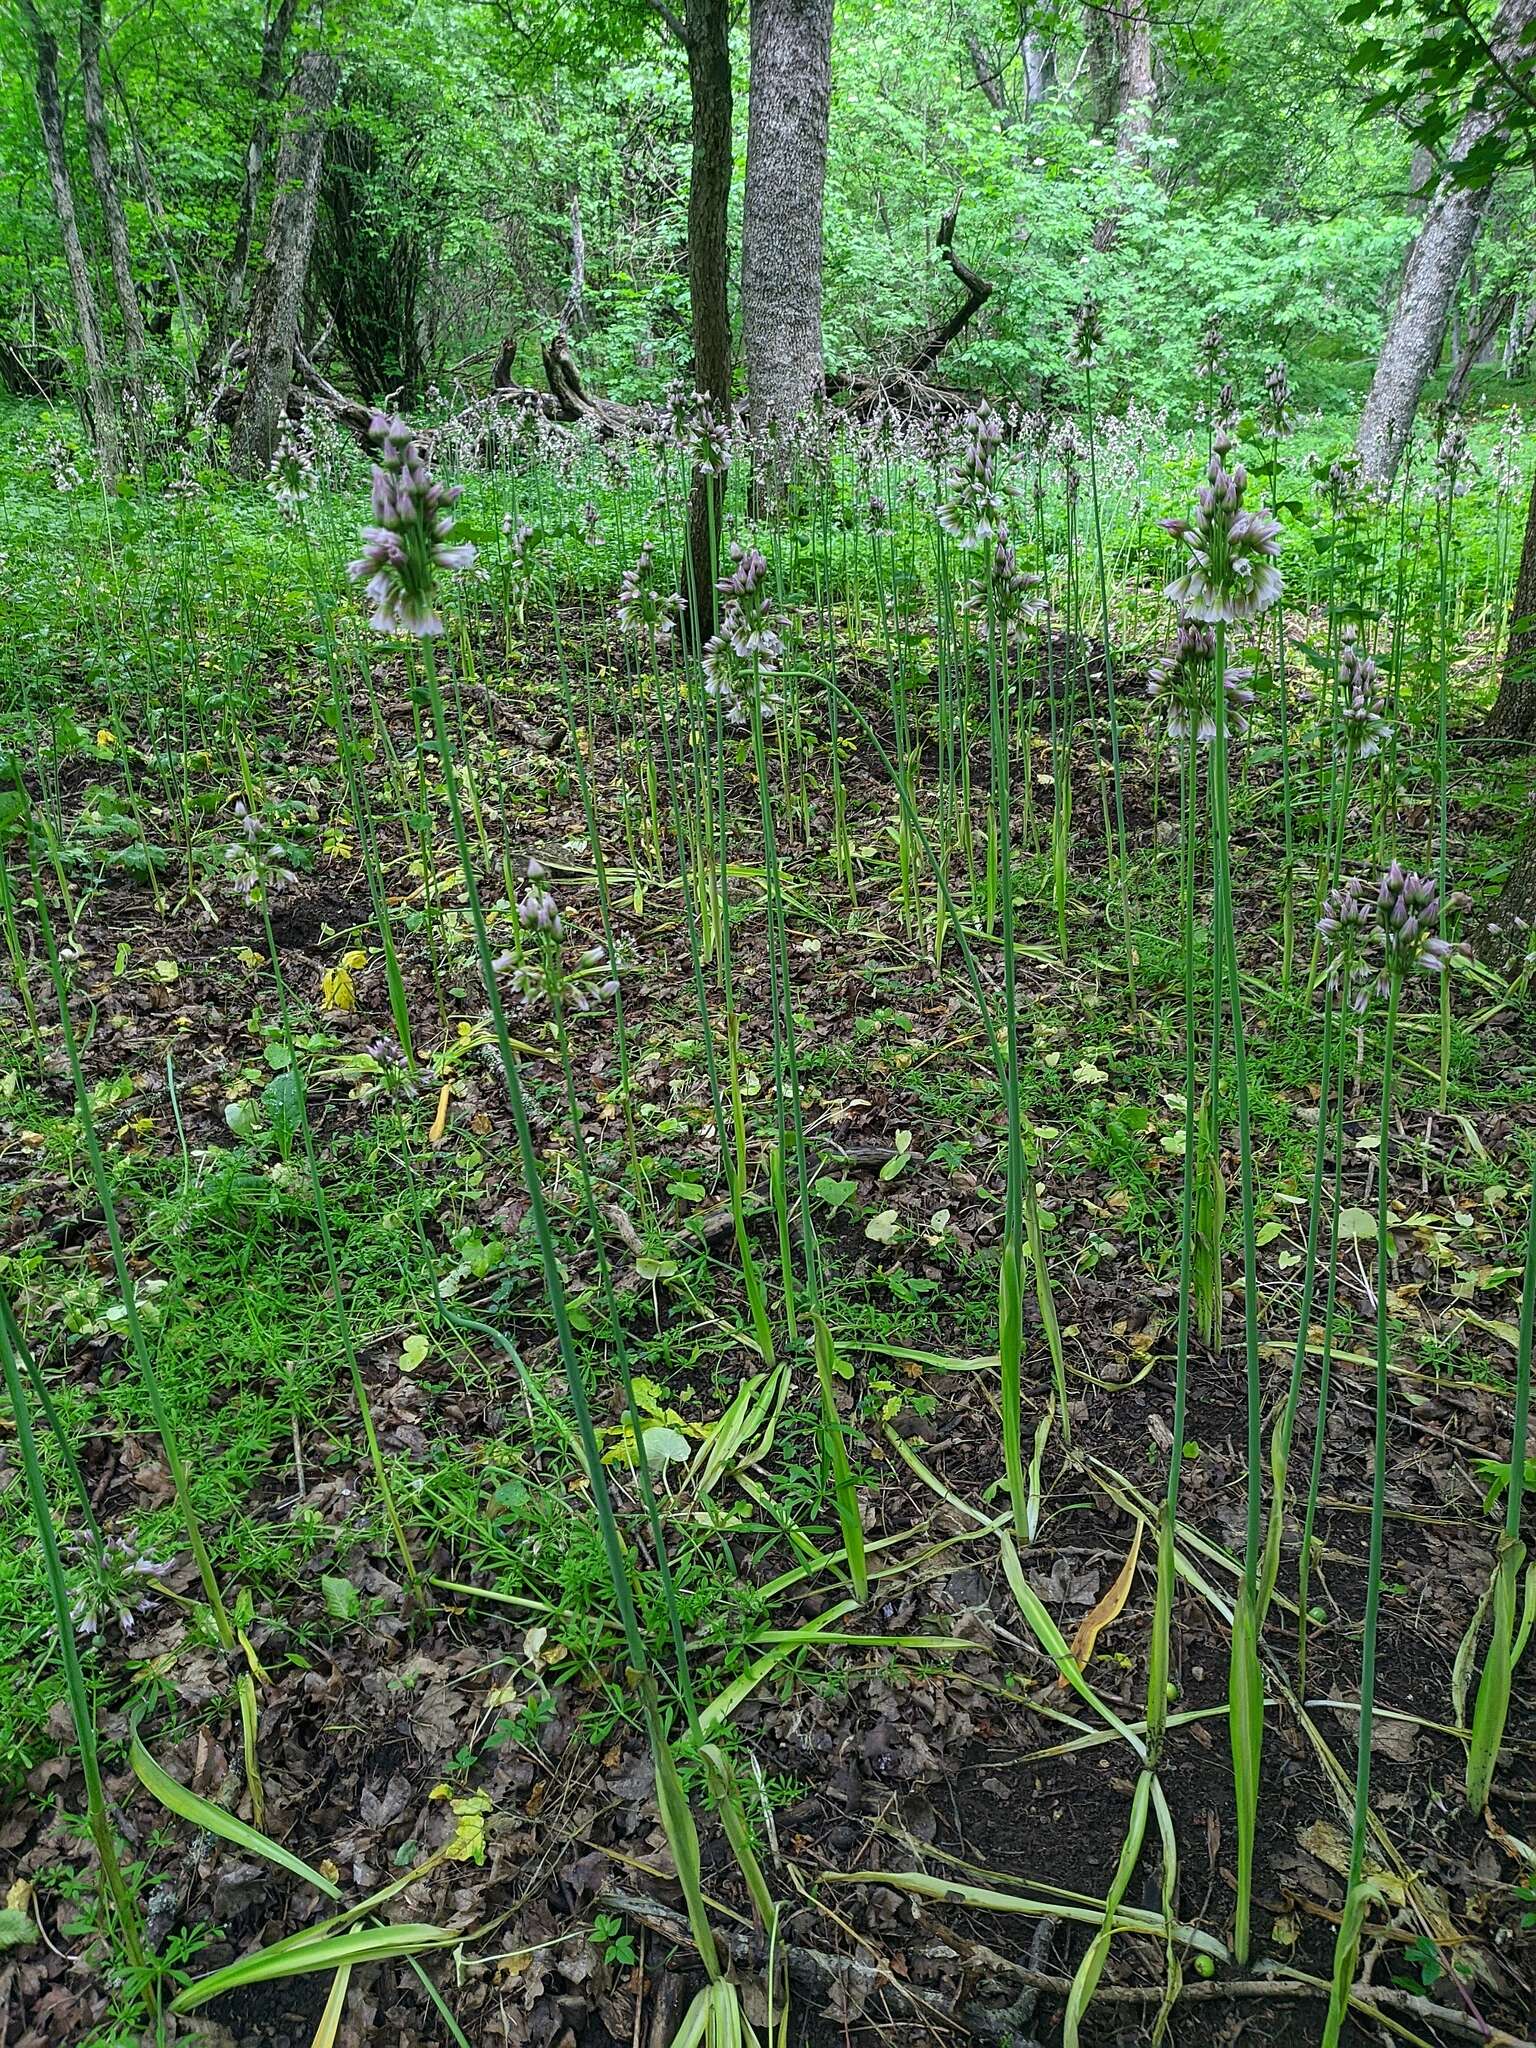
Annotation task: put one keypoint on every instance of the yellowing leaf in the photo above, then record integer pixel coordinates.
(440, 1121)
(167, 969)
(469, 1810)
(412, 1352)
(1105, 1609)
(336, 989)
(354, 962)
(105, 737)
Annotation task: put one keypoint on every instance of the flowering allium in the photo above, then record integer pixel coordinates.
(1362, 701)
(747, 648)
(1347, 919)
(1212, 345)
(1395, 923)
(291, 477)
(1451, 458)
(538, 909)
(1505, 460)
(1233, 573)
(975, 509)
(541, 972)
(1275, 406)
(643, 605)
(1087, 332)
(259, 861)
(702, 437)
(1184, 683)
(408, 542)
(1004, 596)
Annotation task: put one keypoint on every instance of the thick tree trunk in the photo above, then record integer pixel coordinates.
(1118, 39)
(269, 81)
(284, 264)
(50, 112)
(1514, 713)
(1431, 272)
(109, 199)
(708, 42)
(781, 222)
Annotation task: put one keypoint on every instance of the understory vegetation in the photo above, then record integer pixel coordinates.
(767, 1070)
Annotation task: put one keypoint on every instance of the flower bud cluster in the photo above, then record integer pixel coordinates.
(407, 544)
(1233, 573)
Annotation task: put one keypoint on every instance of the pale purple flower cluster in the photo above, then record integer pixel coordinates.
(291, 477)
(1362, 701)
(1394, 925)
(1275, 406)
(540, 973)
(747, 649)
(1004, 597)
(643, 604)
(698, 432)
(1233, 572)
(258, 862)
(407, 544)
(975, 510)
(1184, 683)
(1087, 332)
(519, 538)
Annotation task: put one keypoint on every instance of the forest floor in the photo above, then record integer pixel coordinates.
(482, 1717)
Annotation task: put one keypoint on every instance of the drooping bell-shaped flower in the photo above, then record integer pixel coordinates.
(740, 659)
(1362, 701)
(407, 546)
(644, 606)
(1184, 684)
(1234, 572)
(975, 505)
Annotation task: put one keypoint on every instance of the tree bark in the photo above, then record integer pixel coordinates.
(269, 80)
(1118, 45)
(1514, 712)
(781, 222)
(98, 148)
(101, 409)
(1431, 272)
(707, 39)
(1039, 55)
(284, 264)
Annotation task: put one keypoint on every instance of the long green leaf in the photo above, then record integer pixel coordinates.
(362, 1945)
(202, 1813)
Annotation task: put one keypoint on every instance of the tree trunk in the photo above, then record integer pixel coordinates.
(1118, 46)
(98, 148)
(269, 80)
(1039, 55)
(1507, 937)
(101, 409)
(284, 264)
(1431, 272)
(1470, 349)
(1514, 712)
(708, 42)
(781, 222)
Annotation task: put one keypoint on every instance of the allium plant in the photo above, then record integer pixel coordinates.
(408, 543)
(1399, 930)
(974, 509)
(291, 475)
(1183, 685)
(1362, 701)
(742, 657)
(698, 432)
(1005, 597)
(645, 605)
(540, 972)
(1234, 573)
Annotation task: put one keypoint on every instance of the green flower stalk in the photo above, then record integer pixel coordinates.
(1397, 925)
(1234, 575)
(1492, 1709)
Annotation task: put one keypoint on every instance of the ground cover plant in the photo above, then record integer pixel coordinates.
(769, 1257)
(664, 1297)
